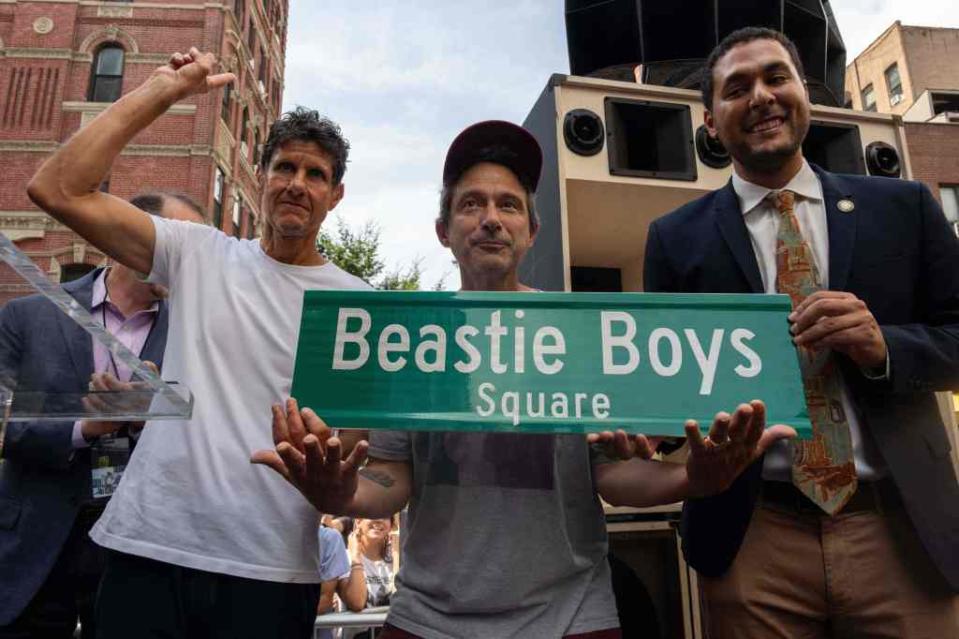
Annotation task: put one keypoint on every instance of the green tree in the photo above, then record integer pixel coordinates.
(357, 251)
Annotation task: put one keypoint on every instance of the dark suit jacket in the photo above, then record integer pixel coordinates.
(896, 252)
(43, 480)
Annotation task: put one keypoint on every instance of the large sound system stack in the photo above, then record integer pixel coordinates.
(624, 144)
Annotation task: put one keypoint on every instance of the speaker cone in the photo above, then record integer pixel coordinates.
(710, 150)
(583, 132)
(883, 160)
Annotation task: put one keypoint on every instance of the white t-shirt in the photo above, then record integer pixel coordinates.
(190, 495)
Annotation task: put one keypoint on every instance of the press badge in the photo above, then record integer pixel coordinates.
(109, 456)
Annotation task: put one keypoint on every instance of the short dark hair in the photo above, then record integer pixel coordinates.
(496, 155)
(742, 36)
(307, 125)
(152, 202)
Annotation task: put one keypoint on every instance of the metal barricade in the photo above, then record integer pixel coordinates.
(369, 618)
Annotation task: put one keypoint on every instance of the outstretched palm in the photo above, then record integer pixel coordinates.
(310, 458)
(734, 442)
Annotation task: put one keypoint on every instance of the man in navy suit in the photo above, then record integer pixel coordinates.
(856, 532)
(49, 567)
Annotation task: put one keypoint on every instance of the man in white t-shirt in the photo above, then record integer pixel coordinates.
(201, 542)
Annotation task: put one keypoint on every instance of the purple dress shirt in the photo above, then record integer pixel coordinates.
(132, 331)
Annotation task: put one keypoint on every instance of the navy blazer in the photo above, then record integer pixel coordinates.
(43, 480)
(896, 252)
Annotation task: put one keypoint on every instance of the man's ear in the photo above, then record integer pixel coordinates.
(442, 233)
(338, 192)
(710, 123)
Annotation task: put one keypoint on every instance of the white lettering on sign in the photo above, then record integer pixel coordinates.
(541, 350)
(475, 358)
(343, 337)
(516, 405)
(624, 341)
(436, 346)
(620, 355)
(755, 367)
(385, 347)
(675, 356)
(707, 363)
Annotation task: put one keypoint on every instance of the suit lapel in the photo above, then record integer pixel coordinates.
(842, 229)
(156, 340)
(79, 344)
(729, 218)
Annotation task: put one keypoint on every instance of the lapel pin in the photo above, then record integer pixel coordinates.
(846, 206)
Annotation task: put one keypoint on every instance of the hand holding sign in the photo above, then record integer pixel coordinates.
(310, 457)
(734, 442)
(840, 321)
(620, 445)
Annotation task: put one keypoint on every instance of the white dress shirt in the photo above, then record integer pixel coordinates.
(762, 221)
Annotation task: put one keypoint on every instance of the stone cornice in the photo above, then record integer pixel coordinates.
(97, 107)
(28, 221)
(40, 53)
(28, 146)
(161, 150)
(37, 53)
(167, 150)
(145, 5)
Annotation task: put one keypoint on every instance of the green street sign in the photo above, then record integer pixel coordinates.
(544, 362)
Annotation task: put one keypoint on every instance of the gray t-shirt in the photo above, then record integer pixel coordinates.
(505, 537)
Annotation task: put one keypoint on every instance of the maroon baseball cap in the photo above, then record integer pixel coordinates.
(525, 158)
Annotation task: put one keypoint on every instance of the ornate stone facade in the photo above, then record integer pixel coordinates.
(206, 147)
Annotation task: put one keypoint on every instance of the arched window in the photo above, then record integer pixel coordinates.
(72, 272)
(106, 78)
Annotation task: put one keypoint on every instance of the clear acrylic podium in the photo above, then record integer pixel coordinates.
(147, 397)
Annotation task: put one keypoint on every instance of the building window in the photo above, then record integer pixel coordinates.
(868, 98)
(237, 216)
(894, 84)
(250, 225)
(225, 106)
(949, 193)
(256, 147)
(72, 272)
(106, 78)
(218, 198)
(244, 134)
(945, 102)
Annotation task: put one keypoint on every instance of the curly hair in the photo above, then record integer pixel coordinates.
(307, 125)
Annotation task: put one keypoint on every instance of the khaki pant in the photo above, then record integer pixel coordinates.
(802, 575)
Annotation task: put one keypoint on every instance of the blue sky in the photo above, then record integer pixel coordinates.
(402, 78)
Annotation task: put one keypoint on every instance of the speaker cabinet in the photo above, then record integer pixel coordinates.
(607, 38)
(835, 146)
(596, 207)
(650, 577)
(650, 139)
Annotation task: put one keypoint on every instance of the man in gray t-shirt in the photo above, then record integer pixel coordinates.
(505, 535)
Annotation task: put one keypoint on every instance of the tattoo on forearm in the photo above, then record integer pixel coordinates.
(377, 477)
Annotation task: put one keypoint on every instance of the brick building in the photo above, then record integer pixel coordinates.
(901, 66)
(62, 63)
(913, 72)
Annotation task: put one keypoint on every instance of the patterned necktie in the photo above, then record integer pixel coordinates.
(823, 467)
